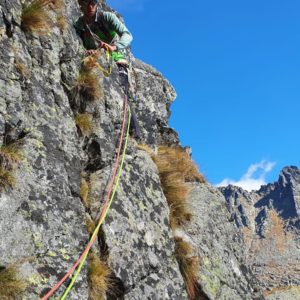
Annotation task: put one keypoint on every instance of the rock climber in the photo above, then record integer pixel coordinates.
(113, 34)
(101, 29)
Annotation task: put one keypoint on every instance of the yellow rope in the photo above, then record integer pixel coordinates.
(106, 72)
(106, 212)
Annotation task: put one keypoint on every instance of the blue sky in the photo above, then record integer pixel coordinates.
(235, 66)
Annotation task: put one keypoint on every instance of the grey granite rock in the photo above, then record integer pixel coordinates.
(43, 216)
(42, 219)
(224, 273)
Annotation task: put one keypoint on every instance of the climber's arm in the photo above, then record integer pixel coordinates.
(115, 24)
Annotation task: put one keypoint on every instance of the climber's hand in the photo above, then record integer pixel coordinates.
(90, 52)
(108, 47)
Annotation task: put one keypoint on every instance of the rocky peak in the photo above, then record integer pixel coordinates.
(289, 180)
(269, 222)
(283, 196)
(289, 176)
(238, 202)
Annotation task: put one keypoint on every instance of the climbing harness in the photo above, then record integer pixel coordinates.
(112, 187)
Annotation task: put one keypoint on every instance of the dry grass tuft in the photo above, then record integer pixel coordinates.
(35, 15)
(98, 277)
(84, 122)
(7, 179)
(90, 225)
(55, 4)
(10, 286)
(87, 85)
(179, 210)
(22, 69)
(189, 266)
(90, 62)
(175, 169)
(175, 159)
(61, 22)
(87, 82)
(84, 191)
(146, 148)
(10, 156)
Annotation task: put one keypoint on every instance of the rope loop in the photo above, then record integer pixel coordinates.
(105, 72)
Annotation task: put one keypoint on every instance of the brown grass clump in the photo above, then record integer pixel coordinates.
(22, 69)
(52, 4)
(90, 62)
(10, 156)
(87, 85)
(175, 159)
(62, 22)
(55, 4)
(176, 192)
(98, 277)
(84, 191)
(10, 286)
(175, 169)
(87, 82)
(7, 179)
(35, 16)
(189, 266)
(84, 122)
(90, 225)
(146, 148)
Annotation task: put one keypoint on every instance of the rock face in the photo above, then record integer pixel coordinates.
(269, 220)
(43, 216)
(42, 219)
(223, 272)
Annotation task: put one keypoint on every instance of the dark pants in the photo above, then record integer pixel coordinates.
(124, 82)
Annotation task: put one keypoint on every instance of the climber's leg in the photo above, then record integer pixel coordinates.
(123, 75)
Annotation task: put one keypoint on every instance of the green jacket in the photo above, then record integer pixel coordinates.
(109, 29)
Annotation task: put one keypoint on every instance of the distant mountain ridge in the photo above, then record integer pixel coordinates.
(269, 220)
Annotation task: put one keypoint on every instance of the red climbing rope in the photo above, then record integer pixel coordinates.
(106, 201)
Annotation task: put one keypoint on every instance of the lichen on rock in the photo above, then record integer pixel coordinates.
(52, 208)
